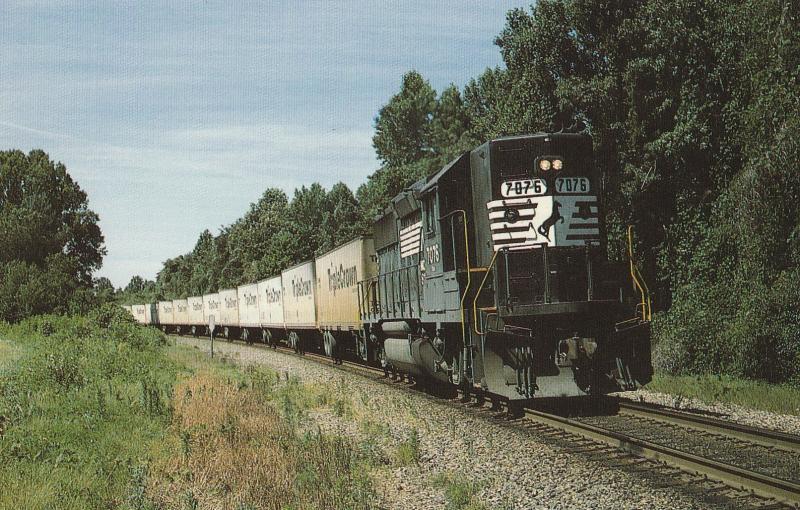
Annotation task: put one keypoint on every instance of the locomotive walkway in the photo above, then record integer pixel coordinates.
(517, 464)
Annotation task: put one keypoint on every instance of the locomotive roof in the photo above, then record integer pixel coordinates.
(541, 134)
(426, 183)
(413, 188)
(434, 179)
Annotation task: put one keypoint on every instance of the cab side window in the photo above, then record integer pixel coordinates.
(429, 206)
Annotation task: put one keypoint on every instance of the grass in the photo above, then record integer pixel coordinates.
(461, 494)
(233, 447)
(407, 452)
(99, 413)
(10, 352)
(79, 411)
(783, 399)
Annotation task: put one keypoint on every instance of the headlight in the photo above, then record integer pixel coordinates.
(544, 165)
(558, 164)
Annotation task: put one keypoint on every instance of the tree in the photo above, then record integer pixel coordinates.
(306, 214)
(137, 291)
(43, 211)
(50, 241)
(135, 285)
(104, 289)
(202, 278)
(342, 219)
(450, 125)
(251, 237)
(403, 125)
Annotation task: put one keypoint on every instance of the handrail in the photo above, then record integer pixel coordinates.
(392, 283)
(638, 281)
(469, 271)
(478, 294)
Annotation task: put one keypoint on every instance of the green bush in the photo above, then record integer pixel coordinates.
(746, 329)
(80, 409)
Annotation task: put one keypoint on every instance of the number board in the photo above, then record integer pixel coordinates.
(523, 188)
(567, 185)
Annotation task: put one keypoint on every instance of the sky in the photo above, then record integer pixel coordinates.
(175, 116)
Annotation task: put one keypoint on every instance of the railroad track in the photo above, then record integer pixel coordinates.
(765, 437)
(734, 466)
(758, 468)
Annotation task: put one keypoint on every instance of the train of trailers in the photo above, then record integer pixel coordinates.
(490, 274)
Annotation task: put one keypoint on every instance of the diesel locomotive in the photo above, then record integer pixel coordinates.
(493, 273)
(490, 275)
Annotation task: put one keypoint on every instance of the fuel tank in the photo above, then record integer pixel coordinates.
(411, 354)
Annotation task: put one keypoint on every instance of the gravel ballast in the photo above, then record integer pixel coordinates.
(730, 412)
(507, 467)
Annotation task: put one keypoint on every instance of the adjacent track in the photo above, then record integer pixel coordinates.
(765, 437)
(659, 435)
(670, 450)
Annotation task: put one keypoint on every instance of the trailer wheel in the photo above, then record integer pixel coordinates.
(294, 342)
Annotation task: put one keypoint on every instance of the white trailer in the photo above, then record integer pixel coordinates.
(195, 304)
(270, 303)
(139, 313)
(249, 323)
(338, 273)
(180, 314)
(229, 319)
(212, 306)
(299, 305)
(165, 315)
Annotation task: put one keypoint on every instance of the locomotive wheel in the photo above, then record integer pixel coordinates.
(455, 372)
(382, 360)
(361, 347)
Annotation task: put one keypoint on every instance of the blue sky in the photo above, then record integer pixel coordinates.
(175, 116)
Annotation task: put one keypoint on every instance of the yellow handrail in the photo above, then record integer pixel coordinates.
(638, 281)
(469, 276)
(478, 294)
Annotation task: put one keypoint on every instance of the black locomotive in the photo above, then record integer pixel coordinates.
(493, 274)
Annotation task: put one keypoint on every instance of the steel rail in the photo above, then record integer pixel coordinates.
(757, 435)
(736, 477)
